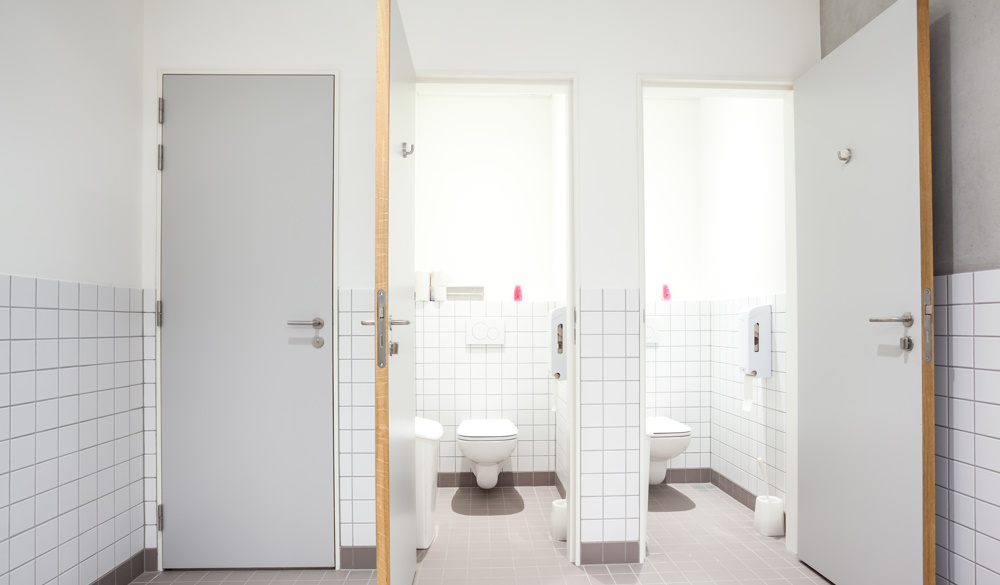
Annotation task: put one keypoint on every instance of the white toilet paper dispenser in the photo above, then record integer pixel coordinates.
(754, 331)
(558, 342)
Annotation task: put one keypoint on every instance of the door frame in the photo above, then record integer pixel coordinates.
(791, 416)
(571, 83)
(335, 73)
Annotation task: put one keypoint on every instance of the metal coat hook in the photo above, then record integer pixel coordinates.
(407, 153)
(844, 155)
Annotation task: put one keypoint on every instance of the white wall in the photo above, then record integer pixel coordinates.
(606, 46)
(69, 140)
(715, 196)
(743, 196)
(485, 196)
(261, 36)
(672, 213)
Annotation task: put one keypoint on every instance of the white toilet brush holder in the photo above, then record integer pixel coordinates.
(769, 513)
(557, 526)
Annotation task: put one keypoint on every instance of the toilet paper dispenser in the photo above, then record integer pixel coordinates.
(557, 343)
(754, 331)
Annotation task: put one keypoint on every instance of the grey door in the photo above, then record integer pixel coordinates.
(246, 246)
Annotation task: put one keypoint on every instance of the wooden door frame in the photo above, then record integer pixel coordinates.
(335, 308)
(927, 284)
(382, 54)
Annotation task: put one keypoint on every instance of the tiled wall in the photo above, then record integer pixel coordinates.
(357, 418)
(72, 424)
(967, 409)
(738, 437)
(678, 374)
(692, 376)
(609, 415)
(457, 381)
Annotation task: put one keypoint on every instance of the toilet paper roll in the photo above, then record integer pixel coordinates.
(439, 279)
(439, 293)
(422, 286)
(747, 393)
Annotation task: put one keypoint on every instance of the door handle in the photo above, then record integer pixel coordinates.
(906, 319)
(315, 323)
(399, 321)
(369, 323)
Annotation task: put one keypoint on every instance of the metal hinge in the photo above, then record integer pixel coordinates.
(159, 517)
(159, 115)
(159, 313)
(159, 158)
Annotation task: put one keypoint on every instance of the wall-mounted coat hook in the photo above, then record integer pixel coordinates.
(407, 153)
(844, 155)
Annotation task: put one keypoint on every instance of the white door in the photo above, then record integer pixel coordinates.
(395, 360)
(402, 366)
(862, 254)
(247, 246)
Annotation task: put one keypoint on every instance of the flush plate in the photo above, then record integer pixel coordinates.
(479, 331)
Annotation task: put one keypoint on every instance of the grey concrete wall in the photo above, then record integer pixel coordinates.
(965, 109)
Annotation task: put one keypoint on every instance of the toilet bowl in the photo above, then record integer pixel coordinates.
(428, 447)
(667, 439)
(486, 443)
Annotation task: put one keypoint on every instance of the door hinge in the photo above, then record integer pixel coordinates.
(159, 517)
(159, 158)
(159, 313)
(159, 112)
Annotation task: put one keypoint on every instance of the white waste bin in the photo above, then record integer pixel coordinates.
(558, 525)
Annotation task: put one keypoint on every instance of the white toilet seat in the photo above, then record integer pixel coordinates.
(661, 426)
(499, 429)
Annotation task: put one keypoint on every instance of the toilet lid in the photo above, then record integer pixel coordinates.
(494, 429)
(661, 426)
(425, 428)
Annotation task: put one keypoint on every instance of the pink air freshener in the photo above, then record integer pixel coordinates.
(666, 293)
(517, 292)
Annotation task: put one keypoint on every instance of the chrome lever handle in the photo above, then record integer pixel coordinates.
(906, 319)
(399, 321)
(315, 323)
(370, 323)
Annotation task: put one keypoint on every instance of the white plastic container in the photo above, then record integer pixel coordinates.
(557, 527)
(428, 446)
(769, 516)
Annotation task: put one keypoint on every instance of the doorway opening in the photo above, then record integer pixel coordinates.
(494, 282)
(718, 178)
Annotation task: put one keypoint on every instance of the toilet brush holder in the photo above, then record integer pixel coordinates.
(769, 516)
(557, 527)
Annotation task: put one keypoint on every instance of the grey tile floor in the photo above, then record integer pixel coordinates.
(696, 535)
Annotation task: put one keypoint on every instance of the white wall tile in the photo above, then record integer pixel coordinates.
(987, 286)
(960, 287)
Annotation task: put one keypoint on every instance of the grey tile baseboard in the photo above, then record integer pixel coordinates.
(609, 553)
(507, 479)
(357, 557)
(734, 490)
(692, 475)
(129, 570)
(560, 488)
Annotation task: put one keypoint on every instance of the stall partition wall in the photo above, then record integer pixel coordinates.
(610, 427)
(77, 431)
(967, 425)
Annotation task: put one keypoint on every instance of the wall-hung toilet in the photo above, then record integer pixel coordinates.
(486, 443)
(667, 439)
(428, 448)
